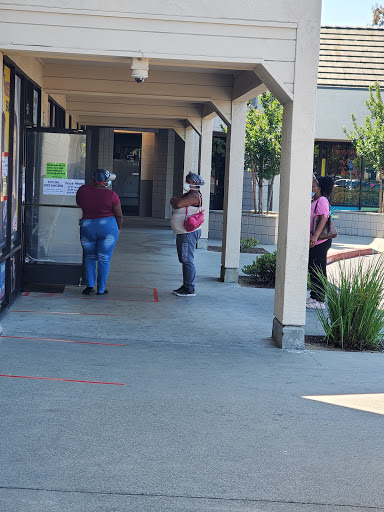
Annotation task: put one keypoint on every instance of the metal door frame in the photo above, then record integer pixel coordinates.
(55, 273)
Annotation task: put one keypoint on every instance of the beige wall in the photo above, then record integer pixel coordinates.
(334, 108)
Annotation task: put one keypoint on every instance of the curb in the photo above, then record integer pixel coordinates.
(346, 255)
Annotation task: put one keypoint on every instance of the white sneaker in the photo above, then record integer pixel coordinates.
(315, 305)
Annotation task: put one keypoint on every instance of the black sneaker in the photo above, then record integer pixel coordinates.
(102, 293)
(181, 289)
(185, 293)
(88, 290)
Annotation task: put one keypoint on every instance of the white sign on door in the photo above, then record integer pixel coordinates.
(59, 187)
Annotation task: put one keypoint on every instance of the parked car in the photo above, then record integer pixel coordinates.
(371, 184)
(342, 182)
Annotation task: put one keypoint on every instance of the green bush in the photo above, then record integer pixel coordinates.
(353, 295)
(248, 243)
(263, 269)
(347, 197)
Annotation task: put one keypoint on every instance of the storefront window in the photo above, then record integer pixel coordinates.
(356, 183)
(6, 91)
(16, 161)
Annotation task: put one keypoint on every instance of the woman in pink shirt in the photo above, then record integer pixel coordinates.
(321, 191)
(99, 228)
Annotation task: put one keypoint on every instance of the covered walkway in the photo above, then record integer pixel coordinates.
(144, 271)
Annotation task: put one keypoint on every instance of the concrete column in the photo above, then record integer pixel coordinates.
(294, 208)
(233, 194)
(276, 194)
(163, 176)
(205, 172)
(188, 150)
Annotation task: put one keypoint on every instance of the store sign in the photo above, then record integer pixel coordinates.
(56, 170)
(58, 187)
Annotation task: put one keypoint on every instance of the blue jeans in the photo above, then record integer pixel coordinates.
(186, 245)
(98, 238)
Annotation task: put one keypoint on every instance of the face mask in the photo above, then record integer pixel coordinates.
(313, 195)
(186, 187)
(109, 184)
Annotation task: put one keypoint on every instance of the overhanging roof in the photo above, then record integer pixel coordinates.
(351, 56)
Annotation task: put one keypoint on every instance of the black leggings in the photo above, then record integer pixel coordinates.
(318, 260)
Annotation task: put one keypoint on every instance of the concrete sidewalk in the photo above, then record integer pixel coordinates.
(162, 403)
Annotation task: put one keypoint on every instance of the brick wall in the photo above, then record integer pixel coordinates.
(262, 227)
(106, 142)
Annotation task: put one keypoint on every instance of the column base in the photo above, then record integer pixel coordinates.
(229, 275)
(202, 243)
(288, 336)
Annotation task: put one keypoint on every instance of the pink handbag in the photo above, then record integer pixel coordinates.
(194, 221)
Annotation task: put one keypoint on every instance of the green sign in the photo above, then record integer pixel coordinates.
(57, 171)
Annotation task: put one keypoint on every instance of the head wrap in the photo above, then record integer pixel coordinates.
(196, 178)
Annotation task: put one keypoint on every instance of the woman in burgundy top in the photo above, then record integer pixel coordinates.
(99, 228)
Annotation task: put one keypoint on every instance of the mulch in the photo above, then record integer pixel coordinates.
(250, 282)
(253, 250)
(320, 343)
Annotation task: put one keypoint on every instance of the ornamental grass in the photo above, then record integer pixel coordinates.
(354, 318)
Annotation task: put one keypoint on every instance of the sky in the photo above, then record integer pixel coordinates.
(357, 13)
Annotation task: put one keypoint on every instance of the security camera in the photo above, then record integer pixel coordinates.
(139, 67)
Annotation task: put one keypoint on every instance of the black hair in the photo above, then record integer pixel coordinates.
(326, 185)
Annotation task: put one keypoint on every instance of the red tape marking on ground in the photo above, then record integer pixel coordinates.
(61, 296)
(63, 380)
(62, 313)
(136, 287)
(89, 298)
(64, 341)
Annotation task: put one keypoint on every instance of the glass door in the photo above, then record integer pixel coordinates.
(56, 165)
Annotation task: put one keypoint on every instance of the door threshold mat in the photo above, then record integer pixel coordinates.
(43, 288)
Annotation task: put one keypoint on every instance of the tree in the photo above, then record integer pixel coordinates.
(369, 139)
(263, 145)
(378, 16)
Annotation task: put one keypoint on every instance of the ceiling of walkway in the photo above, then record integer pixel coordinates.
(175, 94)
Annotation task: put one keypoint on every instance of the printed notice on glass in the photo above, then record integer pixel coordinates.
(56, 170)
(4, 164)
(61, 187)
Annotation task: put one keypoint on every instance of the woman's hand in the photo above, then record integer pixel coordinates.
(312, 241)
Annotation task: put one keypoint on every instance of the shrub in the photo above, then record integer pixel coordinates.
(248, 243)
(353, 294)
(263, 269)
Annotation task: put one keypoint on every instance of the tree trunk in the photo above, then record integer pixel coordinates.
(260, 196)
(260, 182)
(270, 190)
(254, 186)
(381, 191)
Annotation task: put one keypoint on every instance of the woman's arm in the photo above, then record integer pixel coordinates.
(116, 208)
(319, 229)
(190, 199)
